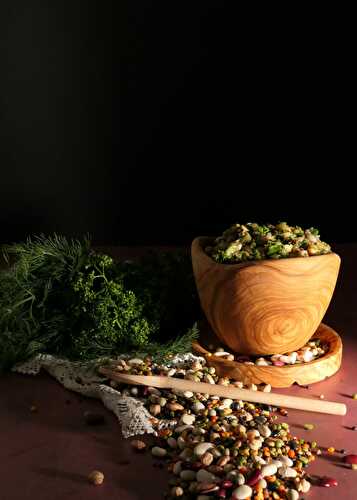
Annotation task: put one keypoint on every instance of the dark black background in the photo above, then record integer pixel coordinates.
(153, 122)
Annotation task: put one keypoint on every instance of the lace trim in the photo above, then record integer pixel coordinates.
(83, 378)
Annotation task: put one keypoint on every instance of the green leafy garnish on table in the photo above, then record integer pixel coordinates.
(58, 296)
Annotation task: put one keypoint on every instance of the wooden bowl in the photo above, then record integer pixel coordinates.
(264, 307)
(280, 376)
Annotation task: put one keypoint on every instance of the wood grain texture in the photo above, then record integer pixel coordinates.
(282, 376)
(306, 404)
(264, 307)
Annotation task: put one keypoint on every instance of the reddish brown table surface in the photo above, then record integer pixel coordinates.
(47, 455)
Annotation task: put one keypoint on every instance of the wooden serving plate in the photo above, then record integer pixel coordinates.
(278, 376)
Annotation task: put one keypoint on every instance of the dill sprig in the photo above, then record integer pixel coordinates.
(178, 345)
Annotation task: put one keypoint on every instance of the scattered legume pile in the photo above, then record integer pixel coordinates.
(251, 241)
(216, 447)
(314, 349)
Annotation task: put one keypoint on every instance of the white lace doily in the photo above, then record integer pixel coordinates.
(84, 379)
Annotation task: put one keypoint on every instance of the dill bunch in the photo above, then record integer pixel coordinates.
(32, 294)
(60, 297)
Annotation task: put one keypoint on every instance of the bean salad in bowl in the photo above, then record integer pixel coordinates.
(252, 241)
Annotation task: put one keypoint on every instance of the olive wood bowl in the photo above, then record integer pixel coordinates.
(264, 307)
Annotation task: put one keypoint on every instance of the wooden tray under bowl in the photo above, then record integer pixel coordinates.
(279, 376)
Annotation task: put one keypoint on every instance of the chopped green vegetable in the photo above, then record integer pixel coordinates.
(242, 242)
(274, 249)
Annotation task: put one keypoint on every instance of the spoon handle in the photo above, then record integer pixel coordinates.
(267, 398)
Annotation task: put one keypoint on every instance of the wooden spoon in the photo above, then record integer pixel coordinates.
(266, 398)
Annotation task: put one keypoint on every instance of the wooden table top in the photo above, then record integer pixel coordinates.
(47, 455)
